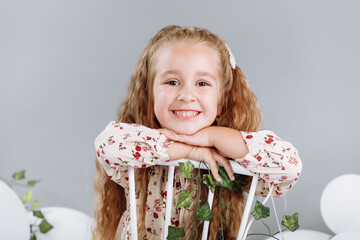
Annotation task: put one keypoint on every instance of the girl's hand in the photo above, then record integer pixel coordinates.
(200, 138)
(211, 157)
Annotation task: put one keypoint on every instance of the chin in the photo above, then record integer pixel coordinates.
(186, 131)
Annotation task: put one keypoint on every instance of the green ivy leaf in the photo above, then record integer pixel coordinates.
(45, 226)
(184, 200)
(38, 214)
(205, 213)
(32, 183)
(225, 180)
(238, 183)
(175, 233)
(260, 211)
(186, 169)
(34, 205)
(291, 222)
(209, 181)
(19, 175)
(33, 237)
(27, 198)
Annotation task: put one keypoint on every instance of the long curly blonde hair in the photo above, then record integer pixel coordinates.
(239, 110)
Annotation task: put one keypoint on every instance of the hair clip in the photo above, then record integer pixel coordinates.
(231, 57)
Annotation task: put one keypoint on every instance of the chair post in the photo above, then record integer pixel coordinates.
(133, 218)
(248, 205)
(169, 199)
(206, 223)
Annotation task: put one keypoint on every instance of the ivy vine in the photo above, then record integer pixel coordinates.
(204, 213)
(41, 224)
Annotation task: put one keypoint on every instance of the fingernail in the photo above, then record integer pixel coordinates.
(232, 178)
(219, 179)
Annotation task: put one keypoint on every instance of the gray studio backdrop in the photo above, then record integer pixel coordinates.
(65, 65)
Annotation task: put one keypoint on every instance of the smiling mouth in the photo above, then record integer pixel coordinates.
(186, 115)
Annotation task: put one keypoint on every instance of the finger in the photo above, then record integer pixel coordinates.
(213, 167)
(225, 163)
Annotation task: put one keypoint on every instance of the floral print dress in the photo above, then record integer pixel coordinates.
(120, 145)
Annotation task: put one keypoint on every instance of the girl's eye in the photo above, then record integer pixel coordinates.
(172, 82)
(203, 84)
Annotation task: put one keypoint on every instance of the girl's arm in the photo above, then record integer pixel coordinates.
(228, 141)
(208, 155)
(124, 144)
(273, 159)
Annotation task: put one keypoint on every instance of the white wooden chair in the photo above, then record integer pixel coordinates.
(236, 168)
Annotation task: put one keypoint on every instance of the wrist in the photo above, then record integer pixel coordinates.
(212, 133)
(190, 153)
(179, 150)
(229, 141)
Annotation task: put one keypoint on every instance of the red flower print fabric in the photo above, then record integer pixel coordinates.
(124, 144)
(273, 159)
(120, 145)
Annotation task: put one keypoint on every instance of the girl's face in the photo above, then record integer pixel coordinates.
(186, 87)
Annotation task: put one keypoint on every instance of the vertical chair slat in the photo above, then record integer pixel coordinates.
(248, 204)
(133, 218)
(206, 223)
(169, 199)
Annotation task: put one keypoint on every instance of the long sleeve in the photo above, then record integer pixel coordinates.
(124, 144)
(273, 159)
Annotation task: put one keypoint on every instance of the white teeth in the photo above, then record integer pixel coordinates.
(186, 113)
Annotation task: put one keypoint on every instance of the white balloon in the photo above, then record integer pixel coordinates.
(68, 224)
(339, 203)
(303, 234)
(14, 223)
(347, 236)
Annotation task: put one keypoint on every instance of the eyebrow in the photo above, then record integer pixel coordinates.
(170, 72)
(199, 73)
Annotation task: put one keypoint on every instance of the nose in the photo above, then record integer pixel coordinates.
(186, 94)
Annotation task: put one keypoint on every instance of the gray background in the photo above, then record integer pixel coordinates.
(65, 65)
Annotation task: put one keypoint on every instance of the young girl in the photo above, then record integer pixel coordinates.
(186, 99)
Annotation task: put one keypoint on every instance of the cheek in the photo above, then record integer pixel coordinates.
(162, 101)
(162, 98)
(211, 100)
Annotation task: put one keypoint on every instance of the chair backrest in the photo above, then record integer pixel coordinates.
(172, 164)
